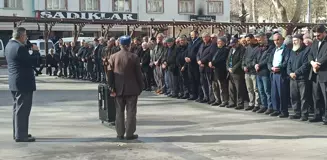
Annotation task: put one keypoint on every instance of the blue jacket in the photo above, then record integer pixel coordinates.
(21, 75)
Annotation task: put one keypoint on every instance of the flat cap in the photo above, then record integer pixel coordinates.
(169, 40)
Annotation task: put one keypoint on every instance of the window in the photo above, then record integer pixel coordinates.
(13, 4)
(56, 4)
(121, 5)
(215, 7)
(42, 45)
(186, 6)
(154, 6)
(90, 5)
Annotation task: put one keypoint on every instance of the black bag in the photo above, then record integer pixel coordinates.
(107, 108)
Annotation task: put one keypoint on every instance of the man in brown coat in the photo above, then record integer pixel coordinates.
(126, 84)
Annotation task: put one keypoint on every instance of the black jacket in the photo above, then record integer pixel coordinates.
(298, 63)
(37, 59)
(50, 60)
(219, 62)
(234, 61)
(181, 52)
(145, 60)
(193, 49)
(262, 59)
(249, 58)
(205, 55)
(170, 59)
(319, 55)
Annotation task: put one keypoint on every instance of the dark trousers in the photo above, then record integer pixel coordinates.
(320, 99)
(173, 83)
(97, 71)
(128, 103)
(236, 89)
(49, 70)
(299, 97)
(21, 112)
(183, 83)
(72, 68)
(63, 69)
(279, 97)
(81, 70)
(205, 80)
(38, 70)
(147, 78)
(194, 80)
(220, 90)
(264, 88)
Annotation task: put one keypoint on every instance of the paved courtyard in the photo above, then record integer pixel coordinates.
(64, 120)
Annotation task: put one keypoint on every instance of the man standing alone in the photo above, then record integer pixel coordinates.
(124, 66)
(21, 83)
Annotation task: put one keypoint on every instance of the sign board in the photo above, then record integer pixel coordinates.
(88, 15)
(202, 18)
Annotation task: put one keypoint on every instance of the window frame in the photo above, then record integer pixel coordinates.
(130, 5)
(215, 13)
(179, 12)
(163, 8)
(51, 9)
(18, 8)
(80, 6)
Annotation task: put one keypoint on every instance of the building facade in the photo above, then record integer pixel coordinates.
(138, 10)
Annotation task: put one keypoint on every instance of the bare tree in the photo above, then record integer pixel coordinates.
(282, 12)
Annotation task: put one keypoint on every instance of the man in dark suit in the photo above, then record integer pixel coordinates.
(220, 81)
(125, 83)
(277, 64)
(21, 83)
(318, 73)
(193, 67)
(145, 59)
(204, 56)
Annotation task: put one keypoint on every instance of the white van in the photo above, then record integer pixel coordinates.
(2, 49)
(40, 43)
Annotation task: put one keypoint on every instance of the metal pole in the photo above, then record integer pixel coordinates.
(309, 12)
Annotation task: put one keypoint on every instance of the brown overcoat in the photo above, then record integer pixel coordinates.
(127, 73)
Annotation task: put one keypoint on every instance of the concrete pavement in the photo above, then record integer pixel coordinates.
(65, 122)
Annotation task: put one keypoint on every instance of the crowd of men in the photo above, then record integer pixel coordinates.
(270, 71)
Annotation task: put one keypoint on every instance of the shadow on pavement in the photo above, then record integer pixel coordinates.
(81, 140)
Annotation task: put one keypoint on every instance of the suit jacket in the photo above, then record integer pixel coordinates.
(50, 60)
(193, 49)
(236, 60)
(171, 59)
(158, 53)
(205, 55)
(181, 52)
(20, 72)
(262, 59)
(298, 63)
(125, 75)
(145, 60)
(283, 66)
(219, 62)
(319, 55)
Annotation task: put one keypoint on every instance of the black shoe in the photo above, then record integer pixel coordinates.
(29, 136)
(283, 115)
(198, 100)
(120, 137)
(304, 118)
(211, 102)
(269, 111)
(185, 97)
(295, 116)
(204, 101)
(169, 95)
(324, 122)
(315, 119)
(239, 107)
(231, 106)
(275, 114)
(29, 139)
(191, 99)
(262, 110)
(223, 105)
(249, 108)
(255, 109)
(215, 104)
(174, 96)
(135, 136)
